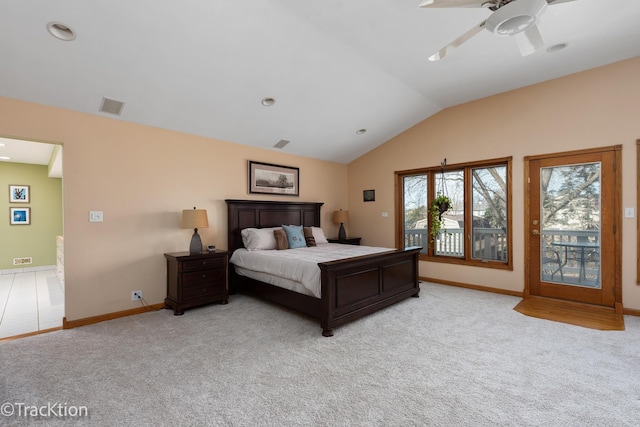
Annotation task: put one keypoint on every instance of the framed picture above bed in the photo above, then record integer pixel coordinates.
(267, 178)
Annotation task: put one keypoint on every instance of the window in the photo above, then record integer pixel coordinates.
(476, 229)
(489, 213)
(414, 211)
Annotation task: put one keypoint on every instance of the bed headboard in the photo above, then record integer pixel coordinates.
(266, 213)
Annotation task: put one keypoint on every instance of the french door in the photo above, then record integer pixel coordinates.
(573, 241)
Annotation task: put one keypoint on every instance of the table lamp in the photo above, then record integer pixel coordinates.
(195, 218)
(340, 217)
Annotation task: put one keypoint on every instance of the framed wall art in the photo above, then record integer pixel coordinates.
(266, 178)
(19, 194)
(369, 195)
(19, 216)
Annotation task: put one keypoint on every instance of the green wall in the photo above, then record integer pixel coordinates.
(37, 240)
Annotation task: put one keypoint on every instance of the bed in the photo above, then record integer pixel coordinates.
(350, 288)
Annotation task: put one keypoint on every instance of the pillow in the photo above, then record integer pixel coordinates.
(308, 236)
(318, 235)
(295, 237)
(257, 239)
(281, 239)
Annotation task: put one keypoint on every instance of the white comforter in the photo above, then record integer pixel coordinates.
(296, 265)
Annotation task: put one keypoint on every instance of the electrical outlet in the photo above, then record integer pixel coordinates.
(136, 295)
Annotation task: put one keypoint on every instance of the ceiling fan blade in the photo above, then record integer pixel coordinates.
(529, 40)
(552, 2)
(471, 3)
(451, 3)
(457, 42)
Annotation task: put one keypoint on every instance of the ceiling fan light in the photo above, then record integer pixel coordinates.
(515, 17)
(515, 25)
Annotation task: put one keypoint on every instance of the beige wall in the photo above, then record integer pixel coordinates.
(141, 178)
(37, 240)
(596, 108)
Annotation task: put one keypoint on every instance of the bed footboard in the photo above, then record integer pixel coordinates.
(355, 287)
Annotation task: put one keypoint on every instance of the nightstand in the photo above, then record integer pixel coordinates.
(347, 241)
(194, 280)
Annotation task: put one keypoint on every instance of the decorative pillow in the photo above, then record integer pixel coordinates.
(295, 237)
(281, 239)
(318, 235)
(257, 239)
(308, 236)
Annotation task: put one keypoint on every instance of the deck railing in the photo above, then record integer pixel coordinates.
(579, 264)
(487, 243)
(491, 244)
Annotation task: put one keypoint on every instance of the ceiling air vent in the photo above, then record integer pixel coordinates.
(281, 143)
(111, 106)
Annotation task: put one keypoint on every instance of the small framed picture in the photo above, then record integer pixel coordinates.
(20, 216)
(369, 195)
(19, 194)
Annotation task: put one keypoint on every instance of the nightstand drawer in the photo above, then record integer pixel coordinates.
(201, 264)
(208, 292)
(198, 277)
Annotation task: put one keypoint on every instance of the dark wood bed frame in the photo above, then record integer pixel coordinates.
(351, 288)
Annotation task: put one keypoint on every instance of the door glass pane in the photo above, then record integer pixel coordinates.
(415, 218)
(489, 229)
(450, 241)
(570, 212)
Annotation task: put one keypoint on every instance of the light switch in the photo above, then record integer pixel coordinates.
(629, 213)
(95, 216)
(385, 214)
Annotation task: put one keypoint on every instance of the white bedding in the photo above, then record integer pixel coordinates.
(298, 268)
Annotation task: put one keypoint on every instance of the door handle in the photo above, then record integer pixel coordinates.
(535, 232)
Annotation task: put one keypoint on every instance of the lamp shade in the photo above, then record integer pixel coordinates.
(195, 218)
(340, 217)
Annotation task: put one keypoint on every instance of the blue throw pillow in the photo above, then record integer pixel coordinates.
(295, 236)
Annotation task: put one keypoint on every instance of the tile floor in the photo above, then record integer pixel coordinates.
(30, 301)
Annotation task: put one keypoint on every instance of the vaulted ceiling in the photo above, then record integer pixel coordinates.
(332, 67)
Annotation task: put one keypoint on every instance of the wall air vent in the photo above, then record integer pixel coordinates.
(281, 143)
(111, 106)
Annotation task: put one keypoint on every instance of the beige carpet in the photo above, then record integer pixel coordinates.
(453, 357)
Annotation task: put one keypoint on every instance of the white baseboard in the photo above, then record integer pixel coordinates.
(28, 269)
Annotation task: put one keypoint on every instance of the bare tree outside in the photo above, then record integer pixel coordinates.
(488, 213)
(570, 215)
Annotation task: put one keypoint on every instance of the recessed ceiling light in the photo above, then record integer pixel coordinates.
(61, 31)
(360, 131)
(556, 47)
(5, 158)
(268, 102)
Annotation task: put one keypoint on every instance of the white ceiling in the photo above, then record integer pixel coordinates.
(333, 66)
(37, 153)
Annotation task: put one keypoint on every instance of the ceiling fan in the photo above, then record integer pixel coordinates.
(514, 18)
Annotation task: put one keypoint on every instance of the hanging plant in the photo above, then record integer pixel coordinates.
(439, 205)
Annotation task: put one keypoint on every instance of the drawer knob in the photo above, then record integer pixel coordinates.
(204, 276)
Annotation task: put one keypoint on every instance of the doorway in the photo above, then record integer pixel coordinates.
(573, 247)
(31, 275)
